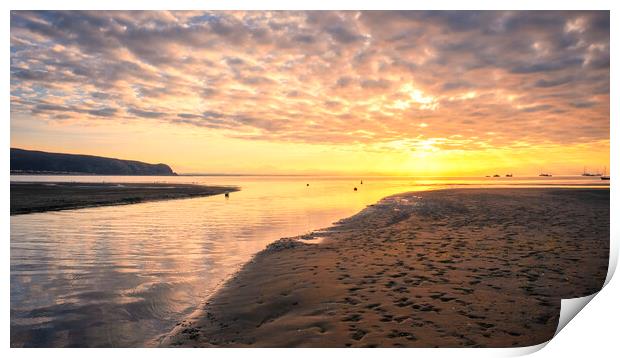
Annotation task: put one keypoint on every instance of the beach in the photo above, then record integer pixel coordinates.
(30, 197)
(443, 268)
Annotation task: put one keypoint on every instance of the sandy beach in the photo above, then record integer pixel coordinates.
(446, 268)
(40, 197)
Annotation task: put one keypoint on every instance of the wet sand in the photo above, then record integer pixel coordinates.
(39, 197)
(447, 268)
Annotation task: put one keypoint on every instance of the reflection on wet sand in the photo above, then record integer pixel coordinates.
(448, 268)
(121, 275)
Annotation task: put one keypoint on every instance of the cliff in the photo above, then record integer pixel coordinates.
(37, 162)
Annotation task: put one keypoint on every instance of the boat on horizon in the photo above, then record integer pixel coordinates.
(545, 175)
(587, 174)
(509, 175)
(605, 176)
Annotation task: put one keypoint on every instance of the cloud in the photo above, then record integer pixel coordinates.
(552, 83)
(537, 108)
(103, 112)
(344, 78)
(548, 66)
(188, 115)
(375, 83)
(51, 108)
(303, 38)
(344, 81)
(343, 35)
(234, 61)
(584, 104)
(448, 86)
(145, 114)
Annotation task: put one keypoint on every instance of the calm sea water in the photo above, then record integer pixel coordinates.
(123, 275)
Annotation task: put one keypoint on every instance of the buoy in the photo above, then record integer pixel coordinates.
(307, 184)
(355, 189)
(361, 182)
(226, 195)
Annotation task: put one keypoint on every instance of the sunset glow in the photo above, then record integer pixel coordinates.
(385, 93)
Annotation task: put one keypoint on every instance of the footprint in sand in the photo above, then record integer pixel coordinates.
(358, 334)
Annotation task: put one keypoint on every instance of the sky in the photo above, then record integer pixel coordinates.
(354, 92)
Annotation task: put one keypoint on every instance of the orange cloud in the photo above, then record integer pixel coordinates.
(451, 81)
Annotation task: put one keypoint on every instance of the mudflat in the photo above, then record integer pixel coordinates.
(39, 197)
(446, 268)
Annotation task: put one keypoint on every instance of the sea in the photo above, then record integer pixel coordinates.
(122, 276)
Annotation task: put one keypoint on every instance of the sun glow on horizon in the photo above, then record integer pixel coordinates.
(386, 93)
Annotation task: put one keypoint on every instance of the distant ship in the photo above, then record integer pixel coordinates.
(544, 175)
(496, 176)
(605, 176)
(586, 174)
(509, 175)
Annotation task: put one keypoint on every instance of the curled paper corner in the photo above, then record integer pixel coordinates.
(613, 260)
(523, 351)
(568, 310)
(570, 307)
